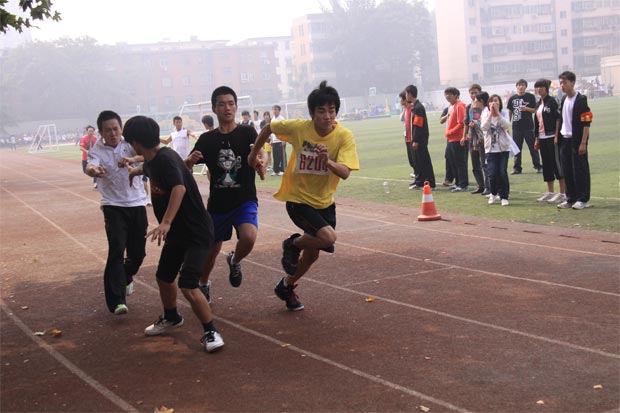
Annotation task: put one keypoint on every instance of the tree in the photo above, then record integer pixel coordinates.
(33, 9)
(386, 46)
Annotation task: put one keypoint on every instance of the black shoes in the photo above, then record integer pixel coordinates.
(235, 277)
(290, 254)
(287, 294)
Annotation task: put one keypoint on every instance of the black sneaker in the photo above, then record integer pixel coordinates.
(235, 277)
(288, 295)
(206, 290)
(290, 255)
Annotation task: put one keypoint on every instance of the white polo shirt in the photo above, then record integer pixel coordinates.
(114, 185)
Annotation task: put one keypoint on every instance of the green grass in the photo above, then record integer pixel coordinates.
(381, 150)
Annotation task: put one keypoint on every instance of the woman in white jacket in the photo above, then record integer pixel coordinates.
(497, 149)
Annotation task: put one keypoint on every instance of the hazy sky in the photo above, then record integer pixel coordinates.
(147, 21)
(150, 21)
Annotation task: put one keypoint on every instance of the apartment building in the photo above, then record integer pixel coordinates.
(500, 41)
(311, 53)
(163, 76)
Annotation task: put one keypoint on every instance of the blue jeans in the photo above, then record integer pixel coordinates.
(497, 168)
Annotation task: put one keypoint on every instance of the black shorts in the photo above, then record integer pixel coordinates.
(311, 220)
(189, 260)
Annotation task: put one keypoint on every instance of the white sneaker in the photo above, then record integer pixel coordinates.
(547, 197)
(162, 325)
(212, 340)
(493, 198)
(581, 205)
(565, 205)
(557, 198)
(129, 289)
(505, 202)
(121, 309)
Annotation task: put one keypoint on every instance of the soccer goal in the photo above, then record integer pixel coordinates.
(299, 110)
(192, 113)
(45, 140)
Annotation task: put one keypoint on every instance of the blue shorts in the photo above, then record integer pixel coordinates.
(246, 213)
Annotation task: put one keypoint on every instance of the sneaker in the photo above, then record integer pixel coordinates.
(486, 193)
(493, 198)
(446, 183)
(234, 276)
(458, 189)
(162, 325)
(212, 340)
(412, 175)
(129, 289)
(121, 309)
(206, 290)
(478, 191)
(581, 205)
(547, 197)
(451, 187)
(288, 295)
(415, 187)
(290, 254)
(274, 174)
(557, 198)
(269, 168)
(280, 173)
(538, 170)
(565, 205)
(505, 202)
(515, 172)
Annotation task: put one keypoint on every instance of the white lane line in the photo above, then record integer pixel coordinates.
(100, 388)
(449, 265)
(452, 316)
(395, 277)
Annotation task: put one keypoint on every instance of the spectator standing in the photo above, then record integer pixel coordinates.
(457, 153)
(87, 142)
(521, 107)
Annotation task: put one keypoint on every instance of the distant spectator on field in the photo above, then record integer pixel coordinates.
(405, 117)
(457, 154)
(545, 122)
(245, 119)
(179, 138)
(497, 144)
(207, 122)
(278, 147)
(87, 142)
(419, 141)
(256, 120)
(521, 106)
(268, 149)
(474, 139)
(443, 118)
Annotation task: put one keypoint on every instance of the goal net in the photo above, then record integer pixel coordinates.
(45, 140)
(299, 110)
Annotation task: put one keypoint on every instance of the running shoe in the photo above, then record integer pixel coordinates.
(557, 198)
(546, 197)
(287, 294)
(121, 309)
(290, 254)
(565, 205)
(212, 340)
(505, 202)
(234, 276)
(493, 198)
(129, 288)
(581, 205)
(162, 325)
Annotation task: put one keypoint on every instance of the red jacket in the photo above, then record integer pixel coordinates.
(456, 125)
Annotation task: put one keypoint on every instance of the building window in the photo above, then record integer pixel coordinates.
(472, 21)
(473, 40)
(163, 63)
(168, 100)
(301, 30)
(166, 82)
(186, 80)
(562, 15)
(247, 77)
(302, 49)
(474, 58)
(565, 50)
(563, 32)
(266, 76)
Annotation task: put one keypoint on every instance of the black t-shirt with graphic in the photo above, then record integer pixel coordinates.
(522, 120)
(226, 156)
(192, 224)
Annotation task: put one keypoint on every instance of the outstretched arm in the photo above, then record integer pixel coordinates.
(160, 233)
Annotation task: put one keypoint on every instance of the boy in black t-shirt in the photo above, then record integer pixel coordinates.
(232, 192)
(184, 226)
(521, 107)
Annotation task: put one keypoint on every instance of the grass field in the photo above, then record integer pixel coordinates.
(381, 150)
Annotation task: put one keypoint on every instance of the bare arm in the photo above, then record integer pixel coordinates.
(340, 170)
(166, 141)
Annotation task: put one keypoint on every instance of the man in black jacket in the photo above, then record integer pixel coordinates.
(572, 133)
(419, 140)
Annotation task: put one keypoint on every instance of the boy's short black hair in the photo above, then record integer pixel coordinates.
(142, 130)
(521, 81)
(403, 95)
(207, 120)
(543, 83)
(245, 113)
(475, 86)
(222, 90)
(483, 97)
(412, 90)
(90, 127)
(177, 118)
(568, 75)
(323, 95)
(452, 91)
(107, 115)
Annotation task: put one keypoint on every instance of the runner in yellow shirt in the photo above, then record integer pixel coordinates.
(323, 153)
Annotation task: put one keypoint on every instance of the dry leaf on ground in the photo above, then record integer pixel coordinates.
(163, 409)
(370, 299)
(424, 409)
(55, 332)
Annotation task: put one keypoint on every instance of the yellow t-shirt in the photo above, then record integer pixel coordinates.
(306, 181)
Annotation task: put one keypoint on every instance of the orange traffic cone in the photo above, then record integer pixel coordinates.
(429, 213)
